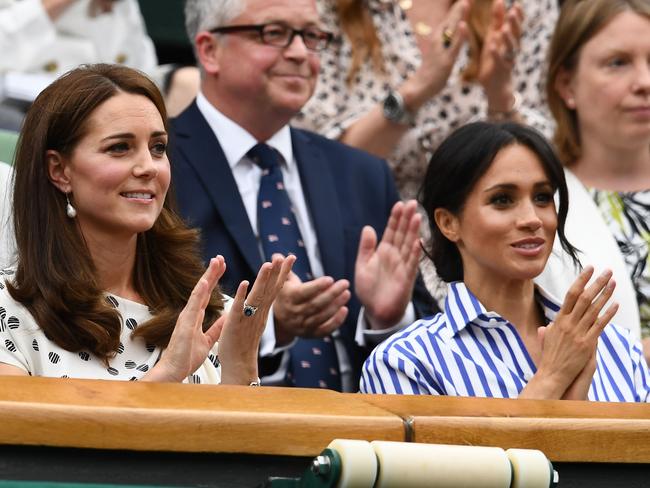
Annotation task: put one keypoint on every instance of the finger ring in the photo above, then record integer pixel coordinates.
(447, 36)
(249, 310)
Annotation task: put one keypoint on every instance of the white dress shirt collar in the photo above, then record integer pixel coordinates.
(462, 308)
(237, 141)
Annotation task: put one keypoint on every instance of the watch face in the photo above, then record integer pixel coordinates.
(393, 109)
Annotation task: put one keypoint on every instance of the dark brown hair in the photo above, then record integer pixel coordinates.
(459, 162)
(579, 21)
(56, 279)
(357, 25)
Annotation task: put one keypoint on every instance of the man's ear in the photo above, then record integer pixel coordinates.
(563, 85)
(58, 171)
(448, 224)
(208, 48)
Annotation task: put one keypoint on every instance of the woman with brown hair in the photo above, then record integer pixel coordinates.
(109, 283)
(599, 93)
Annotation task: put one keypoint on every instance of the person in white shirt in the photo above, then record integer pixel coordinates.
(259, 62)
(42, 39)
(7, 243)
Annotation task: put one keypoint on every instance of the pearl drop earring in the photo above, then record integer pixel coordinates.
(69, 209)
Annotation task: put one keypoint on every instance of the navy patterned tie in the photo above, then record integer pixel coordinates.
(313, 362)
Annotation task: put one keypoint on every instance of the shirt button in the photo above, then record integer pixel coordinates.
(51, 66)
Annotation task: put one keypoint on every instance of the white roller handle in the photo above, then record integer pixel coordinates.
(358, 463)
(530, 468)
(435, 465)
(382, 464)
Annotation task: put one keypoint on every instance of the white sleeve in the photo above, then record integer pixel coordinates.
(7, 239)
(15, 336)
(118, 36)
(365, 336)
(25, 31)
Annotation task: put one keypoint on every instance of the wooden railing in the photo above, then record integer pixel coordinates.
(296, 422)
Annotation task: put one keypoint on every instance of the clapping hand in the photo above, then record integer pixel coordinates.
(439, 58)
(240, 334)
(498, 55)
(569, 343)
(385, 274)
(310, 309)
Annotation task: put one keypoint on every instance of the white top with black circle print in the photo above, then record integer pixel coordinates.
(23, 344)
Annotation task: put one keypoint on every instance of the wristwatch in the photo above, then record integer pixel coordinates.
(396, 111)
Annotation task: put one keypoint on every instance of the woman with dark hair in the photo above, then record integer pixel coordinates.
(109, 283)
(402, 75)
(488, 193)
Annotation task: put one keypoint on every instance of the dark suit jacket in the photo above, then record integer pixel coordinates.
(344, 188)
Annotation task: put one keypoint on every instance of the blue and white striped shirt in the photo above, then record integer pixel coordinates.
(468, 351)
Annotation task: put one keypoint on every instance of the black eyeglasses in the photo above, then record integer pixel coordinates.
(281, 35)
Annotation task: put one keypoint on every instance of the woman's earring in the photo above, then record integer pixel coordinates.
(69, 209)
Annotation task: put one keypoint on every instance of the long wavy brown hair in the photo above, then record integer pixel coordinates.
(579, 21)
(56, 279)
(357, 25)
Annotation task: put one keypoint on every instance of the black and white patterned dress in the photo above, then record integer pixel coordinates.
(24, 345)
(628, 216)
(336, 105)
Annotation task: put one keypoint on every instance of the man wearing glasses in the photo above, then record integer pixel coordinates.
(255, 186)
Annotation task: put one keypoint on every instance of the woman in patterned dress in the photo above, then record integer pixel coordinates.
(109, 283)
(599, 93)
(492, 66)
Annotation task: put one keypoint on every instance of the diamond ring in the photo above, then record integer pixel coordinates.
(249, 310)
(447, 36)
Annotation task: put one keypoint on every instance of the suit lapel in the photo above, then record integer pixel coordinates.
(203, 152)
(320, 193)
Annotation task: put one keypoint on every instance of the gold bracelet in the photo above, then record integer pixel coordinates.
(501, 115)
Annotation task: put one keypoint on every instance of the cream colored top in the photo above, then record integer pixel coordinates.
(24, 345)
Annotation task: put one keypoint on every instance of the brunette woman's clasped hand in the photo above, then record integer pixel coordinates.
(238, 332)
(569, 343)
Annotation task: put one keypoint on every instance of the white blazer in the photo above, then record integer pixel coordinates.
(31, 43)
(7, 238)
(587, 230)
